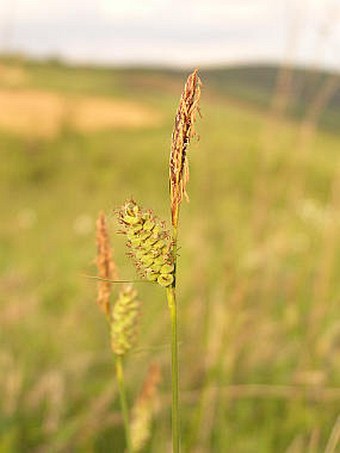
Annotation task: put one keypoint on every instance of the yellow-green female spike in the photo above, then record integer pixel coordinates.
(149, 243)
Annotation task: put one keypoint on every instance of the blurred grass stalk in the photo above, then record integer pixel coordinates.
(122, 316)
(123, 401)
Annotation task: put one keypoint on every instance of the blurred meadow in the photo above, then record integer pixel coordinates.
(259, 265)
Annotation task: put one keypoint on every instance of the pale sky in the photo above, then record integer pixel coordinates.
(175, 32)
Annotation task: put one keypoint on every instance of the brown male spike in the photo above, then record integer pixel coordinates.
(106, 267)
(182, 134)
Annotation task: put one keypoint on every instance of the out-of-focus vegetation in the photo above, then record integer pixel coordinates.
(259, 263)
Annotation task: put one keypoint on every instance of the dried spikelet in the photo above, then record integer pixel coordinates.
(124, 320)
(106, 267)
(143, 409)
(182, 134)
(149, 243)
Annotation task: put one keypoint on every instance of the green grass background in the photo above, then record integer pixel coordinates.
(259, 270)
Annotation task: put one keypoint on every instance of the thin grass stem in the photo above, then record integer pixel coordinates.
(171, 296)
(172, 303)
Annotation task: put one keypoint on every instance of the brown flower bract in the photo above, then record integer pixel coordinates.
(106, 267)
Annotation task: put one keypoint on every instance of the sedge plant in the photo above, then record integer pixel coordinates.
(152, 247)
(178, 177)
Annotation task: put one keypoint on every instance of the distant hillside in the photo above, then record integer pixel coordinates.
(253, 85)
(257, 84)
(304, 90)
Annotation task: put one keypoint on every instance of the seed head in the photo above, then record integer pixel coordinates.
(143, 409)
(124, 321)
(182, 134)
(106, 267)
(148, 242)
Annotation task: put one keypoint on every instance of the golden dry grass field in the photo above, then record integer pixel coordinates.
(39, 113)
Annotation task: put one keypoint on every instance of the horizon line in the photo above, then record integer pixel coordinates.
(175, 66)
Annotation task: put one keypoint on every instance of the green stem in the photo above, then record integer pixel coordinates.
(123, 401)
(171, 296)
(172, 303)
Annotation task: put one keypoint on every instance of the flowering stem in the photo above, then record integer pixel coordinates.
(123, 401)
(172, 303)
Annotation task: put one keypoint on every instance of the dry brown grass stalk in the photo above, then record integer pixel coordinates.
(182, 134)
(334, 438)
(143, 409)
(105, 264)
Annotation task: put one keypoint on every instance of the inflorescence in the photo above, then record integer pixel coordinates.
(149, 243)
